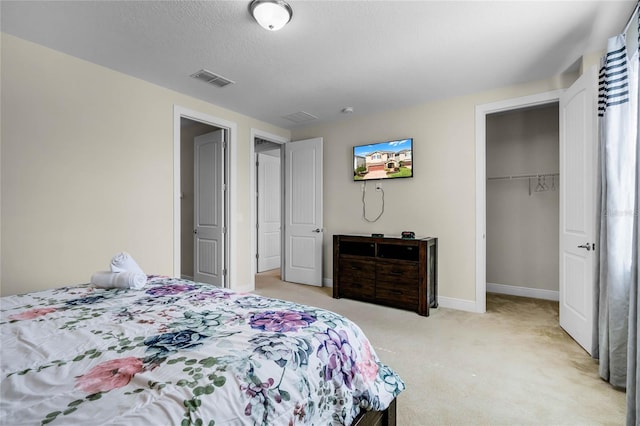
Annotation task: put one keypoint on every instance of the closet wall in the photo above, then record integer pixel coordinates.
(523, 213)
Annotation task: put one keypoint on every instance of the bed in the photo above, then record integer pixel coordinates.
(183, 353)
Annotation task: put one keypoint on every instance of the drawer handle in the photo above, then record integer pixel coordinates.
(356, 268)
(396, 272)
(398, 292)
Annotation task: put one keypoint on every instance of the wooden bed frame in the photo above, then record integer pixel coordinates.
(377, 418)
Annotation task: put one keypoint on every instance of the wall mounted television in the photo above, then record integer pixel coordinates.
(383, 160)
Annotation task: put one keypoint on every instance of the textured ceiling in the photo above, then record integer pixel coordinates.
(371, 55)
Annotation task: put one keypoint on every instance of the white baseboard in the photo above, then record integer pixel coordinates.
(459, 304)
(535, 293)
(470, 305)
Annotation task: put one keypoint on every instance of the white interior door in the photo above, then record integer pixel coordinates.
(269, 207)
(208, 253)
(303, 212)
(578, 137)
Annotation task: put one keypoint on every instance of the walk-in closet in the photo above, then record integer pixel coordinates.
(522, 193)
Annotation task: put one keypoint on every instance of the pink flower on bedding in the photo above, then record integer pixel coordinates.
(368, 366)
(31, 314)
(109, 375)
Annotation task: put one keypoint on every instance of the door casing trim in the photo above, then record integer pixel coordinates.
(230, 202)
(257, 133)
(482, 111)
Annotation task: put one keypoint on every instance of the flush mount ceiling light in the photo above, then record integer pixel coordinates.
(271, 14)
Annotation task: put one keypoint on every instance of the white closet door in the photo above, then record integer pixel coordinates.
(578, 137)
(303, 212)
(209, 208)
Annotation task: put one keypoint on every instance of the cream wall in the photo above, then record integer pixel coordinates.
(87, 170)
(439, 201)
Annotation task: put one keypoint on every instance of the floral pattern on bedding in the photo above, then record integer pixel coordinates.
(179, 352)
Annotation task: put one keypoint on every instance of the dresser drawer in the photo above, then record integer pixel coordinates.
(397, 284)
(357, 279)
(401, 294)
(359, 289)
(354, 269)
(396, 271)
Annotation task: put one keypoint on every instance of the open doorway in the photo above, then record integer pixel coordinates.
(190, 130)
(268, 205)
(522, 208)
(577, 191)
(301, 218)
(262, 142)
(184, 171)
(482, 112)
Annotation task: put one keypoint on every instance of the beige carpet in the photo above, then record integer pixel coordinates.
(513, 365)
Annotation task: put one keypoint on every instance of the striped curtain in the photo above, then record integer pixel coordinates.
(618, 240)
(633, 356)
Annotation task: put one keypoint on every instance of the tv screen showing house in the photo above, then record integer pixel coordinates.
(383, 160)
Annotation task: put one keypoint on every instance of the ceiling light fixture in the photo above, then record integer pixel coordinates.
(271, 14)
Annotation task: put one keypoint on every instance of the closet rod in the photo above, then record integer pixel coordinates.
(539, 175)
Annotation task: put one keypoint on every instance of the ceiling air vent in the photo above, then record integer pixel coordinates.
(211, 78)
(300, 117)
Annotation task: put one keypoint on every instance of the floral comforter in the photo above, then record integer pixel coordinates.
(183, 353)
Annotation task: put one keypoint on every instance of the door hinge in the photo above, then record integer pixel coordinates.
(224, 230)
(224, 272)
(224, 144)
(257, 255)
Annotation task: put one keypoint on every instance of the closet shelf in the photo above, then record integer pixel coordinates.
(539, 175)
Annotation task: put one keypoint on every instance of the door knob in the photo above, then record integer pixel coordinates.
(195, 231)
(316, 230)
(586, 246)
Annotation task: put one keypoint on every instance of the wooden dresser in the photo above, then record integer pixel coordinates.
(388, 271)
